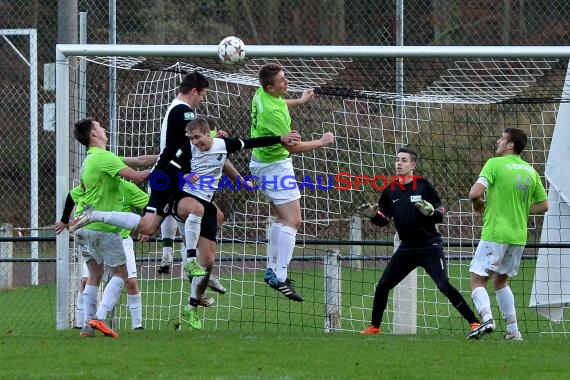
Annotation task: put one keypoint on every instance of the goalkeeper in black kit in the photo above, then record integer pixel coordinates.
(414, 206)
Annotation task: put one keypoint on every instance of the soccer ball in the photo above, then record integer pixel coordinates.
(231, 50)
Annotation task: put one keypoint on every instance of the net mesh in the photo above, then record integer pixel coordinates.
(451, 112)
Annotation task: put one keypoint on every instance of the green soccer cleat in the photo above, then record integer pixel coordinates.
(191, 314)
(193, 269)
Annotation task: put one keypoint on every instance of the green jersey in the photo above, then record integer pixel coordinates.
(513, 186)
(133, 198)
(269, 117)
(101, 185)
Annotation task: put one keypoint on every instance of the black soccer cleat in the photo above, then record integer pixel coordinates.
(286, 287)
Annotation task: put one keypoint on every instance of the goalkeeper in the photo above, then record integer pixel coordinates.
(415, 207)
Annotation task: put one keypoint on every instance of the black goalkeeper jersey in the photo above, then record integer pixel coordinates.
(397, 202)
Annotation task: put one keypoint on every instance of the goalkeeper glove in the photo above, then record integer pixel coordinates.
(368, 210)
(425, 207)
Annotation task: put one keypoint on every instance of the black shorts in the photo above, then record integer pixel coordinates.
(162, 187)
(208, 225)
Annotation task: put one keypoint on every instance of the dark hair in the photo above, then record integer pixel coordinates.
(518, 138)
(410, 151)
(199, 123)
(82, 130)
(267, 74)
(193, 80)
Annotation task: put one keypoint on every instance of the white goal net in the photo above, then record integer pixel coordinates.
(451, 110)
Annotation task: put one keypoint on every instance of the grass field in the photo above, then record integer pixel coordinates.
(257, 334)
(234, 355)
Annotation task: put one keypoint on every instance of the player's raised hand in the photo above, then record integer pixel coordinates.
(221, 133)
(307, 96)
(368, 210)
(425, 207)
(327, 139)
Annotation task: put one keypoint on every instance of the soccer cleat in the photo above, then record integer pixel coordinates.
(371, 330)
(82, 220)
(269, 276)
(215, 284)
(514, 337)
(193, 269)
(474, 333)
(139, 328)
(480, 329)
(286, 287)
(87, 331)
(206, 301)
(191, 314)
(165, 264)
(97, 324)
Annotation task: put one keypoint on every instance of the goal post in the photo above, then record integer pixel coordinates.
(455, 102)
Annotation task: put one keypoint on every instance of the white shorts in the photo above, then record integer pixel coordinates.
(101, 246)
(496, 257)
(276, 180)
(128, 248)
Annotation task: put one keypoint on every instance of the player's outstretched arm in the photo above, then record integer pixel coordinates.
(305, 98)
(307, 146)
(141, 161)
(134, 175)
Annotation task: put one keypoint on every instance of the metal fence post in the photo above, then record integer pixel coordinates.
(333, 290)
(6, 252)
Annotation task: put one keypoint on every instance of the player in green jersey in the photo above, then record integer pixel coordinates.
(101, 243)
(512, 190)
(270, 117)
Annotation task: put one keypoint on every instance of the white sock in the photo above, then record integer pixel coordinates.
(111, 295)
(127, 220)
(192, 231)
(135, 306)
(79, 310)
(194, 291)
(285, 247)
(168, 231)
(89, 302)
(273, 244)
(482, 303)
(506, 301)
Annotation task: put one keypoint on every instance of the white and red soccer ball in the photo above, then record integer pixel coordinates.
(231, 50)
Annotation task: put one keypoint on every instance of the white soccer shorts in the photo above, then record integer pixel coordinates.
(496, 257)
(276, 180)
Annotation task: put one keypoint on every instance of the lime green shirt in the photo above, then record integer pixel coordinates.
(101, 185)
(269, 117)
(513, 186)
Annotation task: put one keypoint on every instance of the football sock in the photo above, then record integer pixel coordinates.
(273, 244)
(111, 295)
(192, 231)
(506, 302)
(285, 247)
(482, 303)
(89, 302)
(127, 220)
(135, 306)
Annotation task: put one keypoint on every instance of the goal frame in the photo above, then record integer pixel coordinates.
(65, 52)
